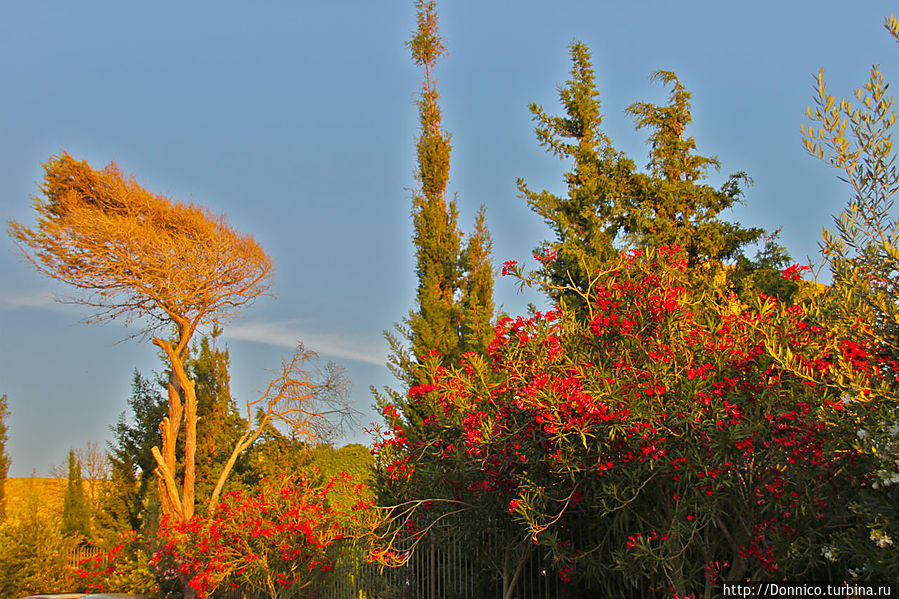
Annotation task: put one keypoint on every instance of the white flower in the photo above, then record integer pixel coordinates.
(862, 434)
(880, 538)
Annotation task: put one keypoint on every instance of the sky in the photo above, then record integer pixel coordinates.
(297, 120)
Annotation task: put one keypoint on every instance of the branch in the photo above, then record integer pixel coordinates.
(302, 397)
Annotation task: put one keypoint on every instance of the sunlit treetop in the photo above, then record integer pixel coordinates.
(137, 254)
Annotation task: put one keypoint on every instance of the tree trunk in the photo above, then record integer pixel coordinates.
(510, 579)
(190, 450)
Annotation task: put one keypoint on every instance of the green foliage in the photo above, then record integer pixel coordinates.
(133, 483)
(454, 298)
(670, 205)
(273, 454)
(587, 223)
(219, 424)
(454, 305)
(610, 204)
(76, 517)
(863, 252)
(4, 455)
(131, 501)
(854, 136)
(764, 274)
(33, 551)
(477, 288)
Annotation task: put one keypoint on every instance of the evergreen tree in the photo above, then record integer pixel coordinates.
(454, 305)
(4, 455)
(610, 204)
(133, 479)
(588, 221)
(671, 204)
(455, 287)
(454, 299)
(219, 424)
(477, 288)
(437, 239)
(76, 516)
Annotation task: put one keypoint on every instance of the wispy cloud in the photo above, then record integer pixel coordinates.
(287, 334)
(29, 299)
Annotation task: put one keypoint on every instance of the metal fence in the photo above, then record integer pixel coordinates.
(448, 569)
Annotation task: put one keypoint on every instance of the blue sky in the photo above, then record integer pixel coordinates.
(297, 120)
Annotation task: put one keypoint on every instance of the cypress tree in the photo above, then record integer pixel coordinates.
(219, 424)
(477, 288)
(454, 297)
(437, 239)
(75, 511)
(4, 455)
(133, 481)
(671, 204)
(454, 305)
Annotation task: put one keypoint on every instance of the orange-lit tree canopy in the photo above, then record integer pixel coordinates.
(139, 254)
(172, 266)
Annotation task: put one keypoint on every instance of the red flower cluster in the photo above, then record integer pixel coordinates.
(283, 536)
(659, 400)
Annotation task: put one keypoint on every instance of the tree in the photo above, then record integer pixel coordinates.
(477, 288)
(588, 222)
(136, 254)
(4, 455)
(671, 205)
(219, 422)
(177, 268)
(218, 428)
(132, 464)
(862, 251)
(76, 517)
(95, 468)
(454, 298)
(33, 552)
(610, 203)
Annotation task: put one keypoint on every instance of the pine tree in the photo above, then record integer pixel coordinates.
(4, 455)
(76, 518)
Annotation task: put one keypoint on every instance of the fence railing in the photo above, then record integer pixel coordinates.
(448, 568)
(80, 553)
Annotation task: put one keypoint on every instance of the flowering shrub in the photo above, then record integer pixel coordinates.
(280, 539)
(283, 537)
(125, 565)
(659, 433)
